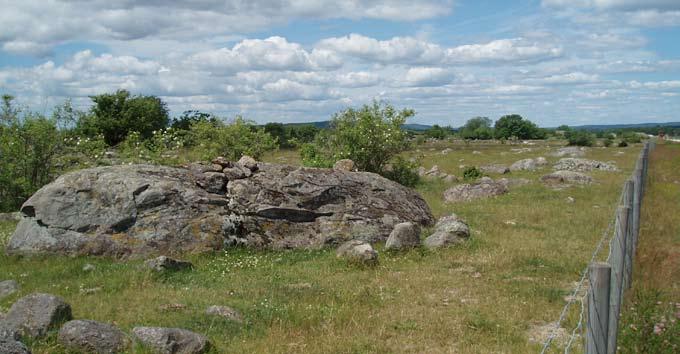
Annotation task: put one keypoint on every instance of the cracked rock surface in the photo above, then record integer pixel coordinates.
(143, 210)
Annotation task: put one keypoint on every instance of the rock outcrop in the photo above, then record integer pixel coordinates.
(528, 164)
(583, 165)
(485, 188)
(142, 210)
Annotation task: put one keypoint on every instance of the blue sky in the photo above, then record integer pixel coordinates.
(553, 61)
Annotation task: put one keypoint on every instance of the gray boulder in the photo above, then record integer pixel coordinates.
(485, 188)
(163, 263)
(86, 336)
(583, 165)
(528, 164)
(449, 230)
(357, 251)
(35, 314)
(172, 340)
(225, 312)
(142, 210)
(572, 151)
(494, 168)
(7, 288)
(514, 182)
(566, 177)
(11, 346)
(405, 235)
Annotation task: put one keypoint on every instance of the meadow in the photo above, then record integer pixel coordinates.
(498, 292)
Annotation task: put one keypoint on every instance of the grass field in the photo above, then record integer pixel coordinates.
(488, 295)
(651, 318)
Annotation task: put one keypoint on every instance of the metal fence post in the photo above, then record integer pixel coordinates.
(598, 308)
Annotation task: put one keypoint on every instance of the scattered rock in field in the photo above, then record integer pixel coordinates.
(248, 162)
(7, 288)
(90, 291)
(540, 333)
(163, 263)
(494, 168)
(405, 235)
(583, 165)
(35, 314)
(570, 200)
(528, 164)
(11, 346)
(299, 286)
(485, 188)
(449, 230)
(16, 216)
(88, 268)
(433, 172)
(172, 340)
(475, 152)
(511, 222)
(87, 336)
(620, 153)
(225, 312)
(514, 182)
(172, 307)
(476, 275)
(450, 179)
(345, 165)
(571, 151)
(520, 150)
(358, 251)
(446, 151)
(567, 177)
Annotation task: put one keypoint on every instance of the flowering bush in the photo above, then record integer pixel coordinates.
(650, 325)
(163, 147)
(209, 139)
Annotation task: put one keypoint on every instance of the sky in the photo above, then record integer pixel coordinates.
(554, 62)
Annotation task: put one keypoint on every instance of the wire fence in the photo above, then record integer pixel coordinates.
(607, 281)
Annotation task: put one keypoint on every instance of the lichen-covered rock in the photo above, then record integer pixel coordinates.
(449, 230)
(567, 177)
(494, 168)
(87, 336)
(485, 188)
(11, 346)
(172, 340)
(572, 151)
(34, 315)
(345, 165)
(583, 165)
(405, 235)
(225, 312)
(528, 164)
(142, 210)
(357, 251)
(248, 162)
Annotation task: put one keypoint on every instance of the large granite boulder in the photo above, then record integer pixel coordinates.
(142, 210)
(87, 336)
(172, 340)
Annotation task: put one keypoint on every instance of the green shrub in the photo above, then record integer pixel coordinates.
(631, 137)
(608, 141)
(580, 138)
(623, 143)
(370, 136)
(402, 171)
(233, 140)
(650, 324)
(472, 173)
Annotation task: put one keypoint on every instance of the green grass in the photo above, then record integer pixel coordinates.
(480, 297)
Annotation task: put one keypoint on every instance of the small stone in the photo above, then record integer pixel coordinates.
(10, 346)
(448, 230)
(7, 288)
(345, 165)
(163, 263)
(450, 179)
(511, 222)
(87, 336)
(225, 312)
(172, 340)
(222, 162)
(236, 172)
(88, 268)
(475, 152)
(358, 251)
(570, 199)
(248, 162)
(404, 235)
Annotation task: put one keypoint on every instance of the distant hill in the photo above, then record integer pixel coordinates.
(593, 127)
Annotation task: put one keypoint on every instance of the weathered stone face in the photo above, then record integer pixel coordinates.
(142, 210)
